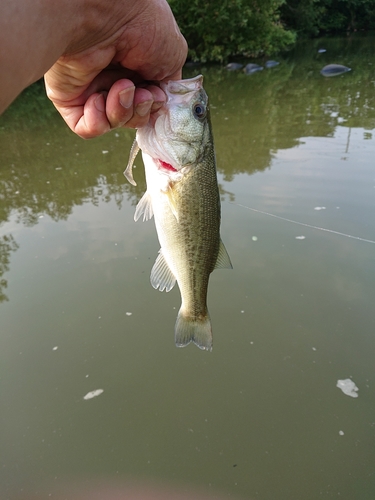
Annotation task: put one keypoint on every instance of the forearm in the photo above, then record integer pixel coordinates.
(33, 34)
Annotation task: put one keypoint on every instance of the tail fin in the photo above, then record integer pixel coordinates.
(198, 331)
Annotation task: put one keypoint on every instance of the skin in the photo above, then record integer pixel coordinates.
(102, 60)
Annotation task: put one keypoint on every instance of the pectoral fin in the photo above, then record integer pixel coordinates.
(161, 275)
(172, 202)
(144, 208)
(129, 169)
(223, 260)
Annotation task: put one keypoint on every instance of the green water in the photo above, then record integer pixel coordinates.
(258, 418)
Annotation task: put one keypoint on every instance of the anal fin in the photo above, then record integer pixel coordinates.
(223, 259)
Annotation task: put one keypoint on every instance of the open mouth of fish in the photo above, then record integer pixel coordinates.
(164, 166)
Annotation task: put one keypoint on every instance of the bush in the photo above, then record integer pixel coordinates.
(314, 17)
(217, 29)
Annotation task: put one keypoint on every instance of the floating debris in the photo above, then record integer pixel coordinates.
(300, 237)
(233, 66)
(254, 238)
(93, 394)
(341, 433)
(321, 51)
(128, 313)
(334, 70)
(348, 387)
(252, 68)
(55, 348)
(319, 208)
(105, 152)
(271, 64)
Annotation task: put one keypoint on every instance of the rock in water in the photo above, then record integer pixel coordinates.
(233, 66)
(271, 64)
(252, 68)
(334, 70)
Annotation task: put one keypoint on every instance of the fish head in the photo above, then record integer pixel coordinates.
(181, 130)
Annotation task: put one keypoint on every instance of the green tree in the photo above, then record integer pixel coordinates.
(302, 16)
(312, 17)
(217, 29)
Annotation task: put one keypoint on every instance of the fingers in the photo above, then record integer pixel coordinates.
(92, 119)
(124, 105)
(129, 106)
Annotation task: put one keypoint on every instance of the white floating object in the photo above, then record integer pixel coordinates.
(341, 433)
(93, 394)
(319, 208)
(300, 237)
(104, 152)
(254, 238)
(55, 348)
(128, 313)
(348, 387)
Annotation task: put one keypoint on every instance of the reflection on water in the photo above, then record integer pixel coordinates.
(259, 418)
(7, 245)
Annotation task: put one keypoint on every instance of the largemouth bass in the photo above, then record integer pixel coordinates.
(183, 195)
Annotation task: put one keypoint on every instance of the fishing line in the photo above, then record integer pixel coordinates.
(303, 224)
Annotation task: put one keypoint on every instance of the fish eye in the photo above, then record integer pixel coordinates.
(199, 110)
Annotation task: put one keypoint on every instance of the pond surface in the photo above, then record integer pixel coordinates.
(258, 418)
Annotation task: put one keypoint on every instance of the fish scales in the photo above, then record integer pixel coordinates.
(183, 195)
(193, 241)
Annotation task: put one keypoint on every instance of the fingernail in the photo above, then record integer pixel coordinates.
(100, 103)
(126, 97)
(156, 106)
(143, 108)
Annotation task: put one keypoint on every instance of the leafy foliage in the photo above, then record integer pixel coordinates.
(312, 17)
(217, 29)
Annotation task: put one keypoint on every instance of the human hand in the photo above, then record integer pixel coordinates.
(108, 75)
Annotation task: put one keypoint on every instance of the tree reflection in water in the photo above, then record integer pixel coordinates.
(7, 245)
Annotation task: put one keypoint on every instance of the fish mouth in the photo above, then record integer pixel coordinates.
(182, 86)
(180, 91)
(164, 166)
